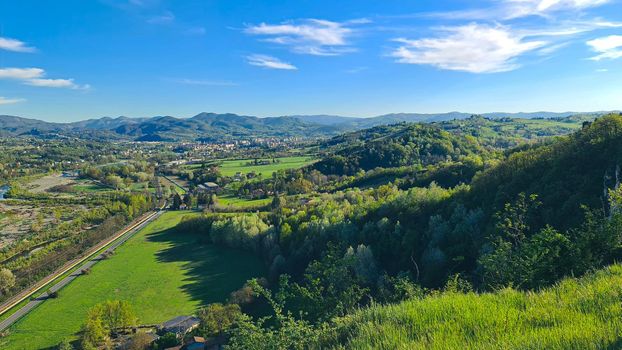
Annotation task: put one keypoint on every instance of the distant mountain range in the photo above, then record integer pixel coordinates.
(219, 127)
(362, 123)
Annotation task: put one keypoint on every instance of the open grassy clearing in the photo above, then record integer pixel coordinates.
(154, 268)
(231, 200)
(141, 187)
(90, 188)
(575, 314)
(231, 167)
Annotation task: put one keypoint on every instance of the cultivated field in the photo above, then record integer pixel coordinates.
(156, 268)
(176, 186)
(231, 167)
(230, 200)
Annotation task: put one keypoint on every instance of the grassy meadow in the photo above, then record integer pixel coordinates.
(575, 314)
(231, 200)
(231, 167)
(158, 267)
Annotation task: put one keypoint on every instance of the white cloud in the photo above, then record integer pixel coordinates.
(9, 101)
(21, 73)
(56, 83)
(541, 7)
(512, 9)
(471, 48)
(311, 36)
(269, 62)
(35, 77)
(15, 45)
(608, 47)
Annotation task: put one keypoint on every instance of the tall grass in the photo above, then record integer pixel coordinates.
(575, 314)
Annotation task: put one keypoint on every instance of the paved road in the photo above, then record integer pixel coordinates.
(65, 281)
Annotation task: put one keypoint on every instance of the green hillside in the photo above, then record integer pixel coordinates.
(574, 314)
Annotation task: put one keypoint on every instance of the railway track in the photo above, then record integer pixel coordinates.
(82, 263)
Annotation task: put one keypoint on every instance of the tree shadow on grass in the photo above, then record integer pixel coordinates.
(211, 272)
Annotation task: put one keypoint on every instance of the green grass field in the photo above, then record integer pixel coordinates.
(89, 186)
(162, 273)
(241, 202)
(575, 314)
(231, 167)
(141, 187)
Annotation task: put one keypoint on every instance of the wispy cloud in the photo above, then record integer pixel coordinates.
(195, 31)
(15, 45)
(471, 48)
(521, 8)
(356, 70)
(608, 47)
(165, 18)
(269, 62)
(513, 9)
(10, 101)
(56, 83)
(310, 36)
(204, 82)
(36, 77)
(496, 40)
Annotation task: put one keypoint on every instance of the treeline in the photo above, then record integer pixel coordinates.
(121, 175)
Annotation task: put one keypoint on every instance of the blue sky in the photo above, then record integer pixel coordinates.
(76, 59)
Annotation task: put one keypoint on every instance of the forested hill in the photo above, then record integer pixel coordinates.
(495, 132)
(448, 152)
(395, 146)
(520, 222)
(573, 171)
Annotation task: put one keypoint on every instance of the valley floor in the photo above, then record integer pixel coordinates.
(161, 273)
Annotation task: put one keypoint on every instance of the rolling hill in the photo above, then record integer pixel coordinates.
(228, 126)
